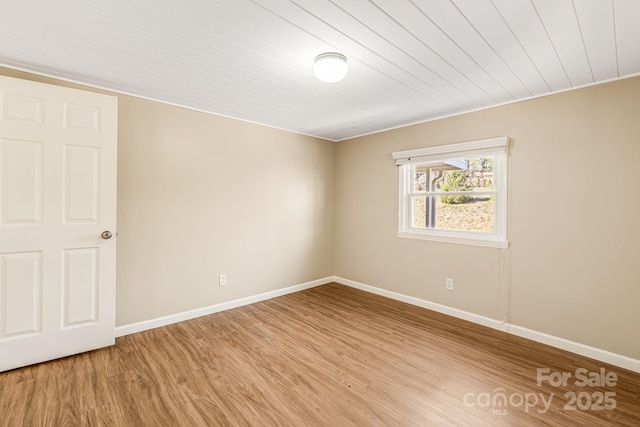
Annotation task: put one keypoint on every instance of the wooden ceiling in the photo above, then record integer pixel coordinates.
(410, 60)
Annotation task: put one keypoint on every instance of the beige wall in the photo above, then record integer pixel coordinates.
(572, 270)
(200, 195)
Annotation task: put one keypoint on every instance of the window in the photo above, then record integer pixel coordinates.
(455, 193)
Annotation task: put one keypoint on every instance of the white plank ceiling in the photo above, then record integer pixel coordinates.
(410, 60)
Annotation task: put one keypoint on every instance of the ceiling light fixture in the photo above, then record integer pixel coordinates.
(330, 67)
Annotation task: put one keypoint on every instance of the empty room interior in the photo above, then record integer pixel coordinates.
(200, 227)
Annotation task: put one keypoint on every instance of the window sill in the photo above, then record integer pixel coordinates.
(499, 244)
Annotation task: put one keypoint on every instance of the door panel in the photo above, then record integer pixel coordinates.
(82, 184)
(81, 286)
(57, 195)
(22, 110)
(21, 293)
(22, 179)
(83, 118)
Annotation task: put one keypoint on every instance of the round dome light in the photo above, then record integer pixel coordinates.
(330, 67)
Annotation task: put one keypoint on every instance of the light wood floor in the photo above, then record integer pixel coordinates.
(328, 356)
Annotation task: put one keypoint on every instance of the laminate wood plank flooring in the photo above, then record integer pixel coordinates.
(327, 356)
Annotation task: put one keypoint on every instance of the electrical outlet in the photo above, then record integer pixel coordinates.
(449, 284)
(222, 280)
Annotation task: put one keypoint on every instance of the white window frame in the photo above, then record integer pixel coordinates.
(406, 161)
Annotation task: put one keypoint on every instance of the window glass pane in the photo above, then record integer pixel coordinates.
(420, 178)
(419, 209)
(466, 213)
(462, 174)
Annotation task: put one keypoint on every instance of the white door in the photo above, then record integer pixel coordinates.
(57, 197)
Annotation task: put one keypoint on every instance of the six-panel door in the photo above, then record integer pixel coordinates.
(57, 196)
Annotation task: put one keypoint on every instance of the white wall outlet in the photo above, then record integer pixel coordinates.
(449, 284)
(222, 280)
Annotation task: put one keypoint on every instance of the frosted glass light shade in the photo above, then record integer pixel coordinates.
(330, 67)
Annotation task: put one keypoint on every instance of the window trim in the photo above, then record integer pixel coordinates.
(498, 147)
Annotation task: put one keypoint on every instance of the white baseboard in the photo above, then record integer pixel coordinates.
(461, 314)
(561, 343)
(203, 311)
(575, 347)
